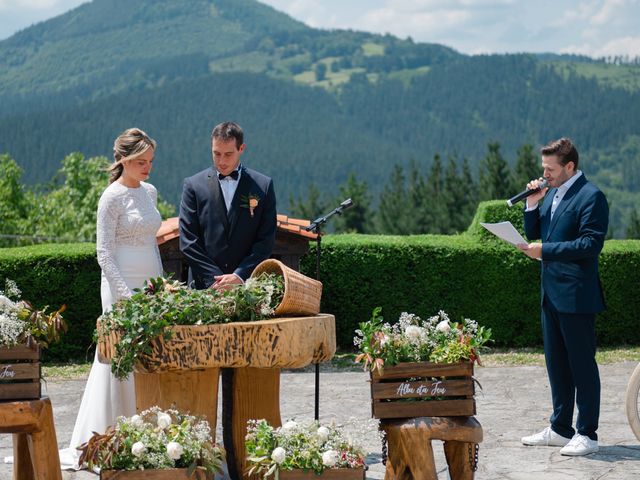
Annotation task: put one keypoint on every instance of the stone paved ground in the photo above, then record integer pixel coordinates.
(514, 402)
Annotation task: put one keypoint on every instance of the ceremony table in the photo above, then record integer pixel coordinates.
(183, 372)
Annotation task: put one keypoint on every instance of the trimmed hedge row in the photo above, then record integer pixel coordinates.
(59, 274)
(473, 275)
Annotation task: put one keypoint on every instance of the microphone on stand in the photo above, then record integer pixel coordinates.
(528, 192)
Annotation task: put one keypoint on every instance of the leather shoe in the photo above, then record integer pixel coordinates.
(546, 438)
(580, 445)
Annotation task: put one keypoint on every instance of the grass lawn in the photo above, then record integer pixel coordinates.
(344, 361)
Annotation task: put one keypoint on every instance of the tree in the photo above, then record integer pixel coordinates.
(357, 218)
(321, 71)
(392, 215)
(436, 199)
(312, 207)
(527, 167)
(456, 198)
(633, 227)
(14, 200)
(471, 194)
(495, 178)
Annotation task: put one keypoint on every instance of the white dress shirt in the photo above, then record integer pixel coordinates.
(561, 191)
(229, 187)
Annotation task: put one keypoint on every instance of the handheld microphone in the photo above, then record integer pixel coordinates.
(522, 195)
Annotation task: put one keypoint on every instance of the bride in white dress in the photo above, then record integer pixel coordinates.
(128, 255)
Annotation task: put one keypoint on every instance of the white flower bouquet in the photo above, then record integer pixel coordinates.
(411, 339)
(21, 323)
(299, 446)
(155, 439)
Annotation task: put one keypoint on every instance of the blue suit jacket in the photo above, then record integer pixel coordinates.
(217, 242)
(571, 243)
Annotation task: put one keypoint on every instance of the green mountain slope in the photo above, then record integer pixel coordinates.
(316, 104)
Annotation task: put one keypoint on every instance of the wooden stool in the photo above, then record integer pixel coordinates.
(410, 454)
(35, 447)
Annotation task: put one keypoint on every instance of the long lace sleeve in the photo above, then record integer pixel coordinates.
(154, 197)
(108, 210)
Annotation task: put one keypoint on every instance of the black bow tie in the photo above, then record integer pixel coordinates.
(233, 175)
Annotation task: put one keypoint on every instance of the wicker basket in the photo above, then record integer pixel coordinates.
(301, 294)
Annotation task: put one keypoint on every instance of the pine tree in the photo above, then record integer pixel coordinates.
(436, 201)
(469, 204)
(311, 208)
(633, 227)
(495, 177)
(454, 198)
(527, 168)
(357, 218)
(393, 217)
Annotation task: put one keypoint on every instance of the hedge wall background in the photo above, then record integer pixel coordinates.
(470, 275)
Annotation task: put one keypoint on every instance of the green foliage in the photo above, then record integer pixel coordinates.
(633, 228)
(58, 275)
(492, 212)
(62, 210)
(495, 176)
(527, 167)
(151, 313)
(356, 219)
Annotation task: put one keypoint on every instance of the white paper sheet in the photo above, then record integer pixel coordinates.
(506, 231)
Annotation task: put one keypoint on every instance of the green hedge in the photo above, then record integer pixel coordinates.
(59, 274)
(473, 275)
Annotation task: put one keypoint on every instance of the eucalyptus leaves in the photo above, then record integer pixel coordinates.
(152, 312)
(411, 339)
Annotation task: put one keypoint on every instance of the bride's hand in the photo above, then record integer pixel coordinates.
(225, 282)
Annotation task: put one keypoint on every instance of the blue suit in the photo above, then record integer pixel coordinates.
(217, 242)
(571, 297)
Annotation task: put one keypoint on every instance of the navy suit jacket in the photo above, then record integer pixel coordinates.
(571, 243)
(217, 242)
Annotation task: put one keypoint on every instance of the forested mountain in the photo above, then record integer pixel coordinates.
(316, 105)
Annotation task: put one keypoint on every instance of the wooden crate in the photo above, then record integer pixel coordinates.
(19, 373)
(329, 474)
(166, 474)
(423, 389)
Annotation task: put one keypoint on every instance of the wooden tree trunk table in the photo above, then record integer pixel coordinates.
(184, 371)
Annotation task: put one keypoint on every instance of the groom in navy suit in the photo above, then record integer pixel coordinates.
(227, 215)
(572, 223)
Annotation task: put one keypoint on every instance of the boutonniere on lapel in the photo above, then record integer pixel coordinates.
(251, 202)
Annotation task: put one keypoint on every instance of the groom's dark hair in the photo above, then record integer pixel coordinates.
(228, 131)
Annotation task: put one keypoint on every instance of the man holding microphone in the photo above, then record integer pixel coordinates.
(572, 222)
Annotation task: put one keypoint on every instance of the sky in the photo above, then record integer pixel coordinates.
(591, 27)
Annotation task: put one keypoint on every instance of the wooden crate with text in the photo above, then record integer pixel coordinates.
(423, 389)
(20, 372)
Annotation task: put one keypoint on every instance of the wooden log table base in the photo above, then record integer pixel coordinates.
(183, 372)
(410, 454)
(35, 447)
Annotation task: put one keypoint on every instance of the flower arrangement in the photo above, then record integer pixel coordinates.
(436, 339)
(151, 312)
(155, 439)
(21, 323)
(295, 445)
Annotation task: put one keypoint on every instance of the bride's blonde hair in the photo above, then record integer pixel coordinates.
(130, 144)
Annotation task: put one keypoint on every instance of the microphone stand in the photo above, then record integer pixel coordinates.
(316, 227)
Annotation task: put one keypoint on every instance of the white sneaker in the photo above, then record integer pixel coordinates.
(546, 438)
(580, 445)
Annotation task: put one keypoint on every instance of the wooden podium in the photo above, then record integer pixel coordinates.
(183, 372)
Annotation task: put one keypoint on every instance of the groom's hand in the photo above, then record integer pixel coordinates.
(225, 282)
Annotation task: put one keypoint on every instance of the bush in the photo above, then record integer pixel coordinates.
(472, 275)
(59, 274)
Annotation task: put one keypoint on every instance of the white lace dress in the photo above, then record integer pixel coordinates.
(128, 255)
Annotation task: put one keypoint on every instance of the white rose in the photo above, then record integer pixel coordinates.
(290, 425)
(413, 332)
(329, 458)
(138, 449)
(137, 421)
(278, 455)
(323, 434)
(164, 420)
(174, 450)
(443, 326)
